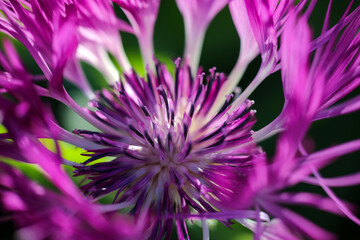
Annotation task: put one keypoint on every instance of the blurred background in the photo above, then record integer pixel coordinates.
(221, 48)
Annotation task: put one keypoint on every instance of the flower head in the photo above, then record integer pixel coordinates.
(169, 155)
(171, 147)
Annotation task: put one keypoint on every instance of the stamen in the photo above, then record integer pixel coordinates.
(135, 131)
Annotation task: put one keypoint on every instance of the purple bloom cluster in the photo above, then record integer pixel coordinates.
(171, 147)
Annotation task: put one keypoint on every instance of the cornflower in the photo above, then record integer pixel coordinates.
(178, 147)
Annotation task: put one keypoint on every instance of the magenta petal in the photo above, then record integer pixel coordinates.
(40, 213)
(262, 24)
(322, 158)
(338, 202)
(65, 43)
(197, 16)
(142, 15)
(294, 54)
(343, 181)
(292, 219)
(300, 104)
(242, 23)
(99, 32)
(346, 107)
(308, 199)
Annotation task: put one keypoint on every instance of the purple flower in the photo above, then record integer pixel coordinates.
(171, 147)
(170, 155)
(160, 134)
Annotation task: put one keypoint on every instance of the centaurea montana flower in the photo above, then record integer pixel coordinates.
(178, 147)
(170, 155)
